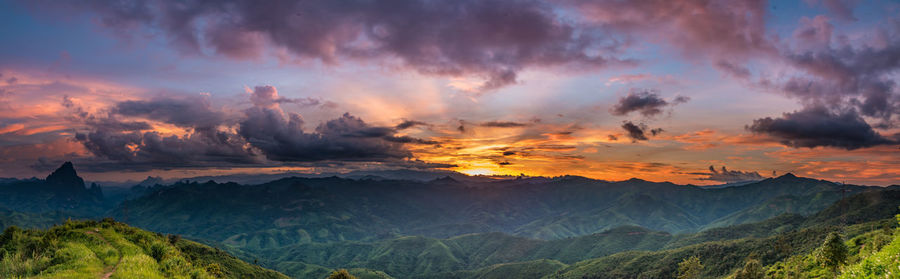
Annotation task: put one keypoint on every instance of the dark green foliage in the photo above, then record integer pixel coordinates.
(555, 228)
(690, 268)
(833, 252)
(407, 256)
(30, 220)
(81, 249)
(722, 258)
(341, 274)
(303, 210)
(174, 238)
(752, 270)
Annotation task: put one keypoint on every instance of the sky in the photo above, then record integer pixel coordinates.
(700, 92)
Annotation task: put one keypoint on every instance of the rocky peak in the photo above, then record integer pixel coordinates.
(65, 175)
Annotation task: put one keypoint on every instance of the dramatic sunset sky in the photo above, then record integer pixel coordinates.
(657, 89)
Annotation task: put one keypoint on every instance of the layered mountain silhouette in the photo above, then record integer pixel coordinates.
(63, 190)
(294, 210)
(453, 226)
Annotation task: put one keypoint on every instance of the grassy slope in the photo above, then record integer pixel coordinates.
(884, 263)
(720, 258)
(90, 249)
(723, 250)
(875, 254)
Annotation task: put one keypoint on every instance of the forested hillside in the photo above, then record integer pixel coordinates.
(108, 249)
(565, 227)
(304, 210)
(627, 252)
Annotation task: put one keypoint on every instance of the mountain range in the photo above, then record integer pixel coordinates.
(414, 224)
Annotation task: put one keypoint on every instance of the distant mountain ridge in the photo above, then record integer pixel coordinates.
(336, 209)
(63, 189)
(462, 227)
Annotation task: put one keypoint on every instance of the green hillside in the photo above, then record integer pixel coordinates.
(108, 249)
(304, 210)
(566, 227)
(625, 252)
(408, 256)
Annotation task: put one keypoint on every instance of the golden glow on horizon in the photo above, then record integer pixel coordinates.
(477, 171)
(548, 147)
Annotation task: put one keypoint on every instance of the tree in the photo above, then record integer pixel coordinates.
(341, 274)
(174, 238)
(690, 268)
(833, 252)
(215, 270)
(752, 270)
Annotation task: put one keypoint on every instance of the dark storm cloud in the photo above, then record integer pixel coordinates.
(635, 132)
(262, 131)
(832, 69)
(647, 102)
(406, 124)
(860, 76)
(149, 150)
(344, 138)
(503, 124)
(844, 83)
(819, 126)
(491, 39)
(729, 176)
(111, 124)
(408, 139)
(189, 112)
(841, 75)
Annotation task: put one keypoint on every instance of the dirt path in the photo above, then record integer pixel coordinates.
(113, 270)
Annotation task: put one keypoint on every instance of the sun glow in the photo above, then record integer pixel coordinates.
(480, 171)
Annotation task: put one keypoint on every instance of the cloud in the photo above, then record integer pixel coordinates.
(845, 82)
(635, 132)
(842, 9)
(503, 124)
(267, 96)
(345, 138)
(493, 40)
(698, 28)
(727, 176)
(733, 69)
(152, 150)
(192, 112)
(213, 138)
(406, 124)
(836, 73)
(281, 136)
(819, 126)
(647, 102)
